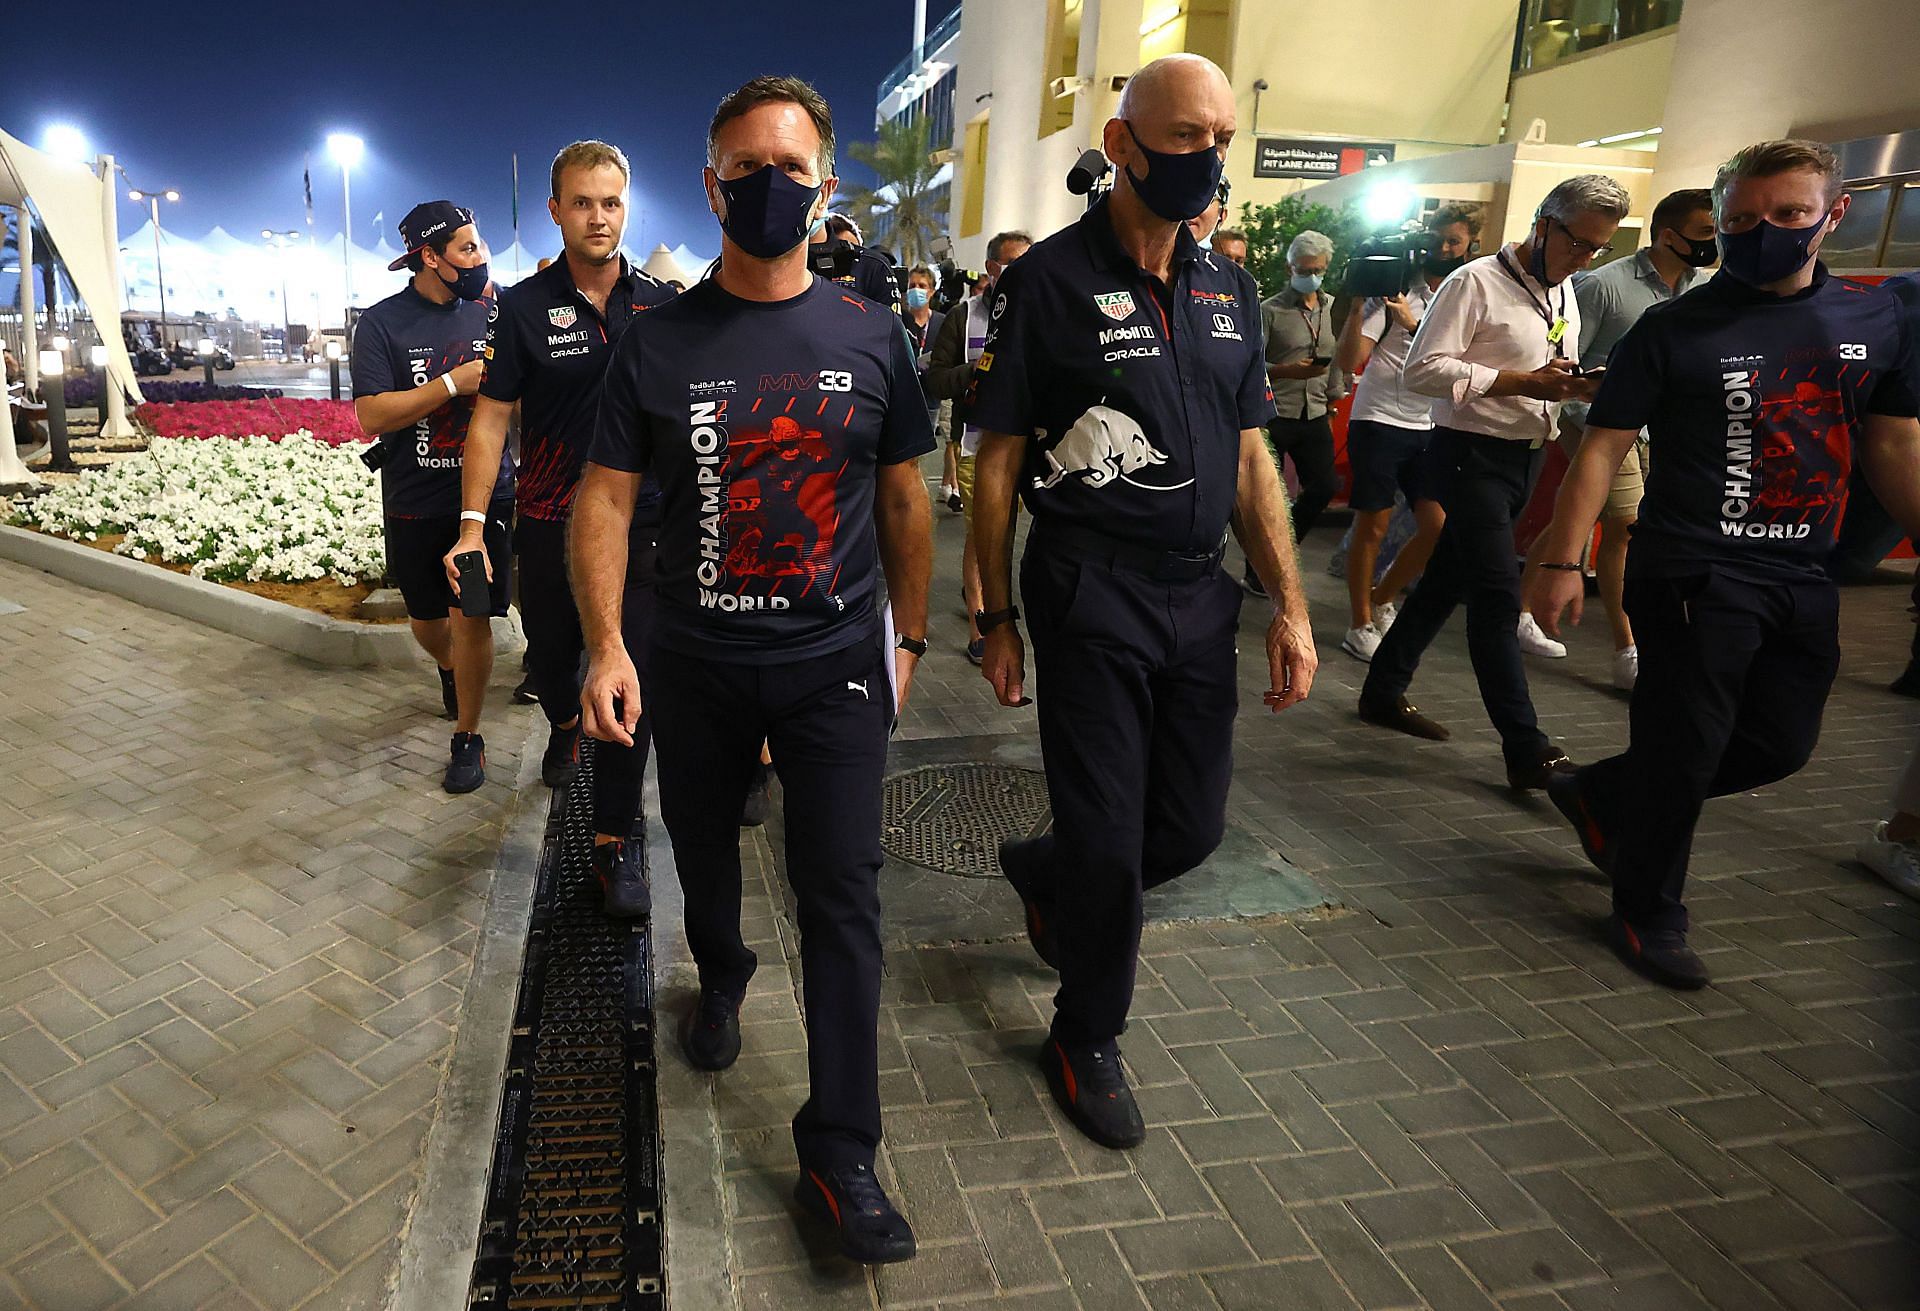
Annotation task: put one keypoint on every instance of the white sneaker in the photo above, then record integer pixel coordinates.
(1536, 643)
(1626, 668)
(1896, 862)
(1384, 615)
(1361, 643)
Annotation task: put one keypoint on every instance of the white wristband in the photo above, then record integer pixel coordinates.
(452, 388)
(473, 516)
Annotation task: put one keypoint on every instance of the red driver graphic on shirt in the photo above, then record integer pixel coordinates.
(1803, 454)
(781, 512)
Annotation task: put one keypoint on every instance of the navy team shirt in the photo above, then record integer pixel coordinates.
(547, 348)
(1751, 404)
(1133, 392)
(764, 424)
(404, 342)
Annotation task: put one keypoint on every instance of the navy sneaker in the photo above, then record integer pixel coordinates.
(759, 800)
(977, 650)
(710, 1031)
(449, 698)
(1659, 954)
(1092, 1089)
(622, 870)
(850, 1199)
(562, 759)
(524, 693)
(467, 769)
(1563, 790)
(1038, 908)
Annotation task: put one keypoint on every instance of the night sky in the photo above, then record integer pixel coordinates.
(223, 106)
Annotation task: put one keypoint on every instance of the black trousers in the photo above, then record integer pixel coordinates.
(827, 720)
(1309, 443)
(555, 644)
(1483, 484)
(1137, 696)
(1733, 678)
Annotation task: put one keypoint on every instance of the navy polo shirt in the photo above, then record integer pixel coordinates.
(404, 342)
(1752, 403)
(765, 425)
(547, 348)
(1133, 392)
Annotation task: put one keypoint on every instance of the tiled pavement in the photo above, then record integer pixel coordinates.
(236, 919)
(1445, 1094)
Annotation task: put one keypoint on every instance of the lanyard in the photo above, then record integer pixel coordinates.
(1556, 323)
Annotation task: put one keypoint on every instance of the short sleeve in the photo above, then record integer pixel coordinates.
(1373, 319)
(907, 430)
(504, 376)
(623, 432)
(1593, 295)
(1631, 389)
(372, 362)
(1001, 397)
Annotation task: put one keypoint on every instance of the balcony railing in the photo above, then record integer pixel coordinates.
(1553, 30)
(940, 33)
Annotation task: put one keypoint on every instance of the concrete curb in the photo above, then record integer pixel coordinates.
(288, 628)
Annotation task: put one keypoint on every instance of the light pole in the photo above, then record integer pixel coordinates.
(280, 241)
(346, 150)
(153, 199)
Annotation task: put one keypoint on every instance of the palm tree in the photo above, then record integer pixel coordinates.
(899, 158)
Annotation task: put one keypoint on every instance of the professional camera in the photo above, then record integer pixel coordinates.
(1388, 263)
(376, 456)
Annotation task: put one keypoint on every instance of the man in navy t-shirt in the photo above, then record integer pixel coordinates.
(780, 415)
(547, 350)
(416, 365)
(1755, 389)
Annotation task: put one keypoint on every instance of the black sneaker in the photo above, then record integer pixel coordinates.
(524, 694)
(1908, 684)
(449, 698)
(1038, 909)
(850, 1199)
(954, 502)
(1659, 954)
(1563, 790)
(562, 760)
(1092, 1089)
(710, 1031)
(622, 870)
(467, 769)
(759, 802)
(977, 650)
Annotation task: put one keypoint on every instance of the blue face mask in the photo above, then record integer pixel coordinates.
(467, 284)
(1307, 283)
(1766, 252)
(917, 298)
(1176, 187)
(768, 213)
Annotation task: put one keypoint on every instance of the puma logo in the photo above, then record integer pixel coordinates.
(861, 688)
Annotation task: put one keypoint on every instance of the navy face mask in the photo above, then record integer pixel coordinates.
(467, 284)
(1765, 253)
(1176, 187)
(768, 213)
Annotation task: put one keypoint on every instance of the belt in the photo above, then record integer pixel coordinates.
(1087, 544)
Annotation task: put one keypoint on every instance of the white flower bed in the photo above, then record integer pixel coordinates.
(235, 509)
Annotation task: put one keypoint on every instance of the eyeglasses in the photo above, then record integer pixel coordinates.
(1584, 249)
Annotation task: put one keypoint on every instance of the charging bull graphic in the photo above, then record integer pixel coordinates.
(1102, 445)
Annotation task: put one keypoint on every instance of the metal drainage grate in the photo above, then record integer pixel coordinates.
(573, 1205)
(953, 818)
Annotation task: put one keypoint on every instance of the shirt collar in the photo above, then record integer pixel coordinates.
(1096, 225)
(564, 274)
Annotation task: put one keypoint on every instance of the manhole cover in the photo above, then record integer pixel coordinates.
(953, 818)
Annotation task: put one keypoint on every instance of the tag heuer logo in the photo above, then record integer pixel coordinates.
(1115, 304)
(562, 317)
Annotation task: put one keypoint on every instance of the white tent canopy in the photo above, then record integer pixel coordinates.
(662, 265)
(75, 208)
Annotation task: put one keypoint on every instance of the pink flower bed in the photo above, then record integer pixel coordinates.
(330, 421)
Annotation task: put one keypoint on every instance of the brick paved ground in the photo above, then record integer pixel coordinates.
(1448, 1094)
(236, 919)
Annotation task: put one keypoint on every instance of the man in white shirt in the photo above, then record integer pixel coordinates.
(1387, 432)
(1495, 349)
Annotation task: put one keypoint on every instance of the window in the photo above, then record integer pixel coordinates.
(1855, 244)
(1552, 30)
(1902, 250)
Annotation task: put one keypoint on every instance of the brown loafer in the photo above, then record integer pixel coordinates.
(1533, 775)
(1403, 716)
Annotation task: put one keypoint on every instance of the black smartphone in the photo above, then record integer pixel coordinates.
(1322, 361)
(476, 600)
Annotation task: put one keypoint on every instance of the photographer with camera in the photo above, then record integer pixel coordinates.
(1388, 428)
(1296, 326)
(416, 367)
(1496, 350)
(835, 253)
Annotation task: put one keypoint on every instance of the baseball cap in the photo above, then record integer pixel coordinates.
(426, 221)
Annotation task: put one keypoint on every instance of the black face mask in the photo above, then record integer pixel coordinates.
(1177, 187)
(1698, 254)
(466, 284)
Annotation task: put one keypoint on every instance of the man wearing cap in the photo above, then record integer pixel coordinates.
(416, 365)
(547, 349)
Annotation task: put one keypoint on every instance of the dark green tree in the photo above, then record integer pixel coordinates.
(1271, 228)
(900, 199)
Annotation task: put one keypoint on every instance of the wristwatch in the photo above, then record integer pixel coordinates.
(914, 646)
(988, 620)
